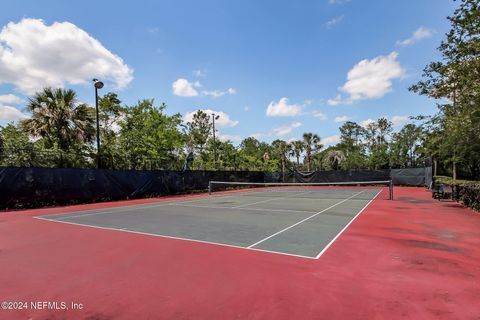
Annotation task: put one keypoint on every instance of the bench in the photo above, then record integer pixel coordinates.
(442, 191)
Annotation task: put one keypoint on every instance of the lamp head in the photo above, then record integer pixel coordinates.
(98, 84)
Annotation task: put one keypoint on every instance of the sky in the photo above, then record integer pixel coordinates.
(271, 69)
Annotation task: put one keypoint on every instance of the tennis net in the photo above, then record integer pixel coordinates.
(362, 190)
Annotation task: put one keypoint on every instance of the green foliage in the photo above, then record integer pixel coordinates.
(59, 120)
(351, 143)
(376, 137)
(466, 192)
(111, 114)
(406, 147)
(144, 136)
(334, 159)
(457, 182)
(280, 151)
(198, 130)
(298, 146)
(15, 147)
(149, 137)
(453, 134)
(312, 144)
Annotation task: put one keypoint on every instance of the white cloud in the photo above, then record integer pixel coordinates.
(370, 79)
(365, 123)
(320, 115)
(284, 130)
(259, 135)
(213, 94)
(229, 137)
(184, 88)
(420, 34)
(335, 101)
(395, 120)
(8, 113)
(341, 119)
(9, 98)
(399, 120)
(331, 140)
(224, 121)
(218, 93)
(34, 55)
(332, 23)
(283, 109)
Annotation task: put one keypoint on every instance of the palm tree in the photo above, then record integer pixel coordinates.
(297, 148)
(312, 143)
(335, 158)
(59, 119)
(281, 148)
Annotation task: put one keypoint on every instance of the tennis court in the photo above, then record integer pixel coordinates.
(292, 219)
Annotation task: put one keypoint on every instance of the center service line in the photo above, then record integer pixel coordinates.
(301, 221)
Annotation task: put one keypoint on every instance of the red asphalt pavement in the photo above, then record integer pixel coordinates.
(412, 258)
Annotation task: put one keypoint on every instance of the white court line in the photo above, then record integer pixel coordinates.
(237, 208)
(341, 231)
(176, 238)
(127, 208)
(105, 212)
(268, 200)
(214, 243)
(301, 221)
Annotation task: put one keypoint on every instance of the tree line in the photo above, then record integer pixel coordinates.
(60, 131)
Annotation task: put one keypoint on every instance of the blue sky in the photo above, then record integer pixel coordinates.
(273, 69)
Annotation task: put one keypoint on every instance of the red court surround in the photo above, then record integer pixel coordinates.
(412, 258)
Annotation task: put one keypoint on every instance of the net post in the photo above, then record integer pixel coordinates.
(391, 189)
(210, 187)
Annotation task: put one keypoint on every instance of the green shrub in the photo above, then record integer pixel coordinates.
(466, 192)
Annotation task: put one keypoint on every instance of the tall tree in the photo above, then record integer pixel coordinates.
(406, 146)
(16, 149)
(312, 144)
(281, 149)
(251, 146)
(351, 136)
(151, 138)
(335, 158)
(59, 119)
(298, 146)
(454, 80)
(198, 131)
(376, 136)
(111, 114)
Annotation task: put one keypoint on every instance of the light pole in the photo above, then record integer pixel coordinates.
(214, 117)
(98, 85)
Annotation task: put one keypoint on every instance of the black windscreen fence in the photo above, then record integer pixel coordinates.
(328, 176)
(42, 186)
(412, 176)
(34, 187)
